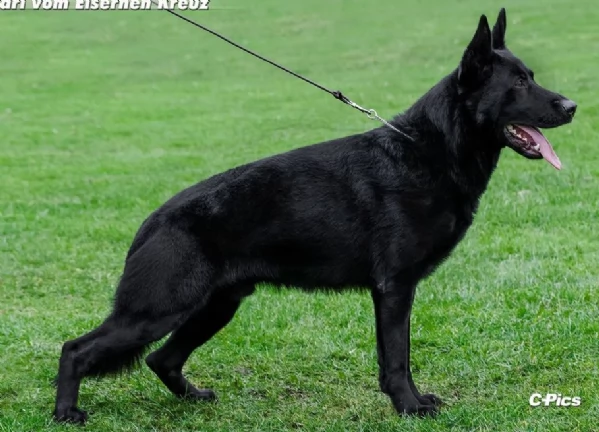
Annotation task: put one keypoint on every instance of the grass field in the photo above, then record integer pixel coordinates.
(104, 115)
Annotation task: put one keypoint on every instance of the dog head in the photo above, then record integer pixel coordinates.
(500, 92)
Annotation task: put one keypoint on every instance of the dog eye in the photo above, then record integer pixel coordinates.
(521, 82)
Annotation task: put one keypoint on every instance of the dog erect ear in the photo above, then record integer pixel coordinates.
(499, 31)
(476, 62)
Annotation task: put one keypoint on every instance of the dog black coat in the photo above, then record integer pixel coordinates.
(371, 210)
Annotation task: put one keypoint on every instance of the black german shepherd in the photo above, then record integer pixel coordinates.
(370, 210)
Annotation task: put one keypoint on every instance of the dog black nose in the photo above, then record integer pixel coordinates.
(569, 106)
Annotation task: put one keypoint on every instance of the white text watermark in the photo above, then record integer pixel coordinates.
(103, 5)
(537, 399)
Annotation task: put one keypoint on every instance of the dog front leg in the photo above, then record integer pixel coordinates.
(393, 304)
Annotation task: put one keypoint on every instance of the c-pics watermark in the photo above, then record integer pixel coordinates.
(537, 399)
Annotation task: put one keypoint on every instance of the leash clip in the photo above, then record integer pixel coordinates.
(370, 113)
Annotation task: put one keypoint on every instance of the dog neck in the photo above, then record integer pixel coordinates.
(465, 152)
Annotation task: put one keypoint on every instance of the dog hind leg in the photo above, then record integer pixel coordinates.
(167, 362)
(85, 356)
(158, 290)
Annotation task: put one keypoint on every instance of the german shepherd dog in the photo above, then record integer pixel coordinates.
(370, 210)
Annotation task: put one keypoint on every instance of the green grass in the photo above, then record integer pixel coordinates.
(104, 115)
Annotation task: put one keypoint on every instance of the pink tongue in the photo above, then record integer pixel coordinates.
(544, 146)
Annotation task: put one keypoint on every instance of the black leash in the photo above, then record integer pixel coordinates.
(371, 113)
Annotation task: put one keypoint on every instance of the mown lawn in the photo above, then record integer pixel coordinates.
(104, 115)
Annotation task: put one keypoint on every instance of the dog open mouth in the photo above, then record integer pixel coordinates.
(530, 142)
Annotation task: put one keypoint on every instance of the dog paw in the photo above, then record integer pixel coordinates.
(418, 409)
(427, 411)
(430, 398)
(70, 415)
(407, 404)
(199, 394)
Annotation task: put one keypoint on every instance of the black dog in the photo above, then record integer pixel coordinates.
(372, 210)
